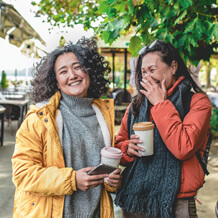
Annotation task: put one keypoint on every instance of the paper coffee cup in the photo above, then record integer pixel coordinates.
(111, 156)
(145, 130)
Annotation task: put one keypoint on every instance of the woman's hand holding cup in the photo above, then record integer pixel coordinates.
(133, 148)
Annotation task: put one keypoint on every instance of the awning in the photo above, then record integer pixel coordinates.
(13, 25)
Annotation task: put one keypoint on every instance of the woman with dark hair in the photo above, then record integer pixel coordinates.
(62, 135)
(165, 183)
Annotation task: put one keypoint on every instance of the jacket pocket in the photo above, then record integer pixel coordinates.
(32, 205)
(25, 202)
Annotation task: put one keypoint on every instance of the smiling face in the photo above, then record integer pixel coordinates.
(71, 78)
(153, 65)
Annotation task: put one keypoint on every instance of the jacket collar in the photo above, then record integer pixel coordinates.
(178, 81)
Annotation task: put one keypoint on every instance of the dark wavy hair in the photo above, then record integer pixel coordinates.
(86, 50)
(168, 53)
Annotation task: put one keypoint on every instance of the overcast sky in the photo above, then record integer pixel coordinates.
(10, 55)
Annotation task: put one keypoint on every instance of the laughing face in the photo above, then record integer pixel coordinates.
(153, 65)
(71, 78)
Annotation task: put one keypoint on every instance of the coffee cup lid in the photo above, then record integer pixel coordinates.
(143, 126)
(111, 152)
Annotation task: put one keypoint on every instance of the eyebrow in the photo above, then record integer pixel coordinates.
(74, 63)
(150, 66)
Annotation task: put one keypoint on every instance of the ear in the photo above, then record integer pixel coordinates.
(174, 66)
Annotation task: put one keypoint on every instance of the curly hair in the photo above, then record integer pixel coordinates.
(93, 63)
(168, 53)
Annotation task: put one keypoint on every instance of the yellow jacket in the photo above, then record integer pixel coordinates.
(39, 172)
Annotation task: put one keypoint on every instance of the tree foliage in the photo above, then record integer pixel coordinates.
(191, 25)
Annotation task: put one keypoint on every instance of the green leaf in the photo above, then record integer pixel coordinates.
(166, 11)
(130, 7)
(154, 23)
(135, 45)
(215, 32)
(105, 36)
(168, 1)
(120, 24)
(190, 26)
(103, 7)
(120, 7)
(169, 38)
(108, 27)
(181, 17)
(185, 3)
(192, 40)
(182, 41)
(199, 29)
(33, 3)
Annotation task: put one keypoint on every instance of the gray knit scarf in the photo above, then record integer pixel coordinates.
(82, 144)
(150, 184)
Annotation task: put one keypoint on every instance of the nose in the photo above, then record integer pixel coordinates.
(72, 74)
(149, 73)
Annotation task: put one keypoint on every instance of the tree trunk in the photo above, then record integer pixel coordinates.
(195, 73)
(208, 68)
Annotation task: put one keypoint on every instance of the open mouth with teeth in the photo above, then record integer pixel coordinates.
(76, 83)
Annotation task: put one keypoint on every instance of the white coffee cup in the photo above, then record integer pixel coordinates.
(111, 156)
(145, 130)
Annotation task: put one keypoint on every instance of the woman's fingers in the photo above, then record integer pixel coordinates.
(133, 147)
(84, 181)
(114, 178)
(155, 91)
(133, 151)
(134, 141)
(115, 174)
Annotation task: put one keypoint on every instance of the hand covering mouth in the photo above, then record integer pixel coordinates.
(156, 81)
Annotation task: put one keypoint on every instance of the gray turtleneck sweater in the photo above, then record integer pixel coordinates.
(82, 143)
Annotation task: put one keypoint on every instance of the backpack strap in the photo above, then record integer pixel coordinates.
(202, 162)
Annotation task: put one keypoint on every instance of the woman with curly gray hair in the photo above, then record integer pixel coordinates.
(62, 136)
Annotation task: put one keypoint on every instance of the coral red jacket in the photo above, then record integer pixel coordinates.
(182, 138)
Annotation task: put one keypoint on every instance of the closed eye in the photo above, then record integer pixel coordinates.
(78, 68)
(62, 72)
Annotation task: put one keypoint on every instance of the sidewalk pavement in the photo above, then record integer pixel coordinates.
(6, 186)
(208, 195)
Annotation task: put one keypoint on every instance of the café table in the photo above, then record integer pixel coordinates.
(2, 111)
(22, 104)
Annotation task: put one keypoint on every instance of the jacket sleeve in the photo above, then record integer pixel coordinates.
(30, 171)
(184, 138)
(122, 140)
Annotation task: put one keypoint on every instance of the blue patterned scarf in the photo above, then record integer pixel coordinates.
(150, 184)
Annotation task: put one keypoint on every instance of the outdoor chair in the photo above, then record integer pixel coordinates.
(121, 96)
(12, 112)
